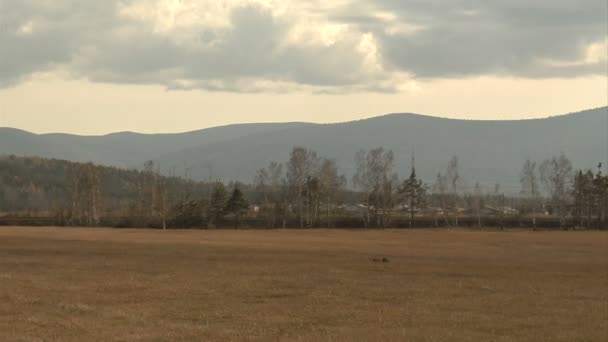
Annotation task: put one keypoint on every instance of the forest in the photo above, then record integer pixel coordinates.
(305, 191)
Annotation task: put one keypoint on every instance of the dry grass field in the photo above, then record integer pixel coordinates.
(61, 284)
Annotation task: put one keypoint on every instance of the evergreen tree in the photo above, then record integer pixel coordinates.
(582, 192)
(413, 192)
(600, 196)
(217, 204)
(237, 204)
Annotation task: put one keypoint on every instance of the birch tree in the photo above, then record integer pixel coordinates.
(302, 164)
(375, 178)
(556, 175)
(453, 177)
(331, 183)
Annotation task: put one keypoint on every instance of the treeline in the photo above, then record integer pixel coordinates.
(306, 191)
(36, 189)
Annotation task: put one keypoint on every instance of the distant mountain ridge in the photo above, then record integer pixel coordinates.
(122, 149)
(491, 151)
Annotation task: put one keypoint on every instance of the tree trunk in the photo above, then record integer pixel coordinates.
(328, 213)
(533, 217)
(300, 214)
(411, 211)
(307, 208)
(367, 211)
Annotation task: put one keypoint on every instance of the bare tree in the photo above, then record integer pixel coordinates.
(331, 183)
(85, 190)
(453, 174)
(382, 164)
(275, 178)
(313, 194)
(390, 198)
(149, 189)
(262, 185)
(269, 182)
(529, 187)
(162, 196)
(374, 177)
(154, 193)
(440, 189)
(477, 202)
(362, 180)
(556, 175)
(453, 178)
(303, 163)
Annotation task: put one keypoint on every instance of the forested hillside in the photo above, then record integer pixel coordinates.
(85, 194)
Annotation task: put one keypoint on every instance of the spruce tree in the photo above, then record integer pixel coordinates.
(236, 205)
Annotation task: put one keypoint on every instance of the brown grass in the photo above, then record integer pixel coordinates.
(63, 284)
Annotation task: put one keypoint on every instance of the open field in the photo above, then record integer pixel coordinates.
(63, 284)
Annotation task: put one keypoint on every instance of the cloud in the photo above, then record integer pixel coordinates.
(317, 46)
(460, 38)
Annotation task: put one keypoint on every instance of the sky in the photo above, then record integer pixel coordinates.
(100, 66)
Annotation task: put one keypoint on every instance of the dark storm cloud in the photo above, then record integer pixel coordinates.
(474, 37)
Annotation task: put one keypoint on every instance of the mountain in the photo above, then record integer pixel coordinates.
(490, 151)
(124, 149)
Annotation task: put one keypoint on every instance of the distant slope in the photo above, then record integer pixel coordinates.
(490, 151)
(122, 149)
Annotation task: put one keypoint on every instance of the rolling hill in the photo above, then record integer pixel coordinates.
(125, 149)
(490, 151)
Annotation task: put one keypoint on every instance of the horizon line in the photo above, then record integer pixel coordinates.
(375, 117)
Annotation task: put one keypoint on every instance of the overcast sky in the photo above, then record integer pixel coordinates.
(97, 66)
